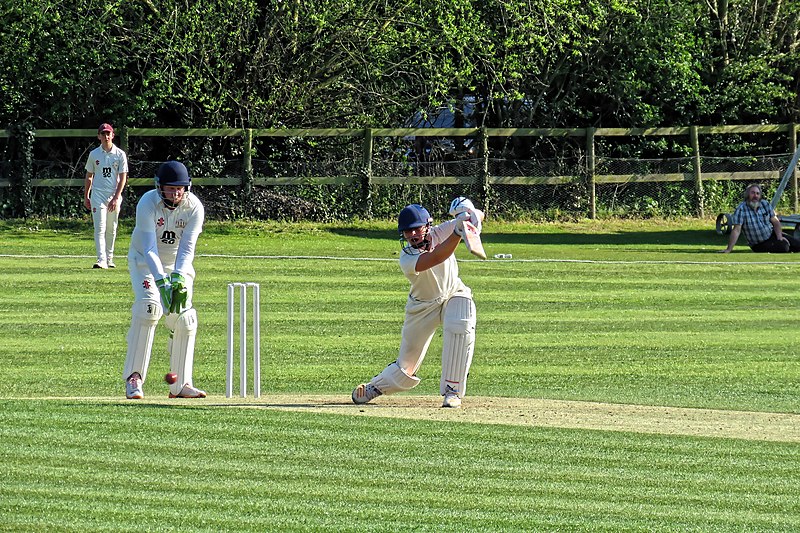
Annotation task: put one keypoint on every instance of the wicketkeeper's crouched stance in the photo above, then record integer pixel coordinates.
(437, 297)
(169, 220)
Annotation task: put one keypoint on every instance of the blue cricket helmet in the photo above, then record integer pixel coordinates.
(173, 173)
(413, 216)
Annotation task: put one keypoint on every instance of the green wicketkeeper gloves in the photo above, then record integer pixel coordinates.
(179, 293)
(165, 290)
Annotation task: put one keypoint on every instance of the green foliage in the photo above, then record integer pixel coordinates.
(517, 63)
(20, 156)
(526, 63)
(643, 70)
(635, 201)
(723, 196)
(746, 92)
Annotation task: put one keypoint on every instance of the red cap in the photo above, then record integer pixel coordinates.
(105, 127)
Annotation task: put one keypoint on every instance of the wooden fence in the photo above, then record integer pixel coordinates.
(481, 136)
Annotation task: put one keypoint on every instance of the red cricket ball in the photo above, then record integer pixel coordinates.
(171, 377)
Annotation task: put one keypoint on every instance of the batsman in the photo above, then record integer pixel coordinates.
(437, 297)
(169, 219)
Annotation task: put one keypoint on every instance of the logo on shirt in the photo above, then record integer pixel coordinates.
(97, 162)
(169, 237)
(180, 223)
(146, 284)
(160, 222)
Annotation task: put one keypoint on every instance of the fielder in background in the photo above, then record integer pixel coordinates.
(106, 175)
(437, 297)
(169, 220)
(762, 228)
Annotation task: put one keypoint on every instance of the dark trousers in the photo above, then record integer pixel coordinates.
(774, 246)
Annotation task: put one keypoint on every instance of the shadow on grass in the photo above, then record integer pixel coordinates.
(682, 237)
(626, 238)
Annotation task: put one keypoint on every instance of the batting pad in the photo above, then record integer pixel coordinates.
(458, 344)
(144, 318)
(181, 348)
(393, 379)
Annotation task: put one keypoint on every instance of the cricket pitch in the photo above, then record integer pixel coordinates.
(747, 425)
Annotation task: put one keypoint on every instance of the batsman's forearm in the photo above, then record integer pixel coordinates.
(151, 256)
(439, 254)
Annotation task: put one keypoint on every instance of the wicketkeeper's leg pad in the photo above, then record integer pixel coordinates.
(458, 345)
(393, 379)
(144, 319)
(183, 328)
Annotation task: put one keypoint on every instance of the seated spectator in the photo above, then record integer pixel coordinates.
(761, 226)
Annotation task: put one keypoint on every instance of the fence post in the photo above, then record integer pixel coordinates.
(123, 139)
(793, 149)
(698, 174)
(366, 173)
(247, 161)
(484, 177)
(590, 170)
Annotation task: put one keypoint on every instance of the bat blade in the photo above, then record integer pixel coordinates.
(473, 240)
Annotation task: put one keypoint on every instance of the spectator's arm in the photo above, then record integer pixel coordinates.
(777, 228)
(736, 230)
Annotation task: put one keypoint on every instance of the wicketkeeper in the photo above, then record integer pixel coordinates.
(437, 297)
(169, 220)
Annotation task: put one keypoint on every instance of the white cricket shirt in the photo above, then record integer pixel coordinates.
(438, 282)
(165, 236)
(106, 167)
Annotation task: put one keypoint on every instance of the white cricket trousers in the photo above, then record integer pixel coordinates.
(421, 322)
(105, 226)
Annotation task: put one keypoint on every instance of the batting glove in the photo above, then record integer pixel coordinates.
(474, 216)
(459, 205)
(165, 290)
(179, 293)
(458, 229)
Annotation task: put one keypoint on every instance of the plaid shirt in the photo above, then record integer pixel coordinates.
(755, 223)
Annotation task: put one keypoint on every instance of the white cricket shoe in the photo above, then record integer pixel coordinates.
(100, 264)
(452, 400)
(365, 392)
(189, 391)
(133, 388)
(111, 264)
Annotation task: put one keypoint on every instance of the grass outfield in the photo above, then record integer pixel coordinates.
(625, 377)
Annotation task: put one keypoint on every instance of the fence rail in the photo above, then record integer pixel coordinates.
(368, 168)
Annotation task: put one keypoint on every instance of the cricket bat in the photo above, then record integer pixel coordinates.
(473, 240)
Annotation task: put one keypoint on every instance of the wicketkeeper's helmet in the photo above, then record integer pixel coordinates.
(173, 173)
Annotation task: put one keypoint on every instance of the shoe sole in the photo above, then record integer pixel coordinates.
(135, 397)
(179, 396)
